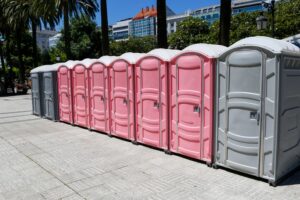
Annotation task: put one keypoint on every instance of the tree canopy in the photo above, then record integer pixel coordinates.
(85, 40)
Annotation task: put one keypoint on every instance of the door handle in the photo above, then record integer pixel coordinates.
(156, 104)
(258, 117)
(102, 98)
(197, 109)
(124, 101)
(255, 115)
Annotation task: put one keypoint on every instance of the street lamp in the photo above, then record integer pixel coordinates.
(262, 20)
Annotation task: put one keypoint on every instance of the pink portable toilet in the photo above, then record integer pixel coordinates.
(192, 101)
(80, 91)
(65, 92)
(151, 89)
(121, 80)
(99, 93)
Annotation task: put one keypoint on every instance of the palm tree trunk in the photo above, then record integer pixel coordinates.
(162, 38)
(67, 36)
(8, 57)
(225, 18)
(104, 27)
(20, 57)
(2, 60)
(33, 26)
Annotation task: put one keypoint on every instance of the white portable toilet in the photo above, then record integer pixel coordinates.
(258, 108)
(37, 90)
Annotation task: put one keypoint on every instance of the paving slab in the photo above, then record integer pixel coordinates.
(42, 159)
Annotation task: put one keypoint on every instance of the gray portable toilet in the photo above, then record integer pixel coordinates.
(258, 108)
(36, 90)
(50, 92)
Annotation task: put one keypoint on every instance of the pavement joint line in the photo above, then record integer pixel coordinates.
(17, 121)
(106, 172)
(21, 111)
(49, 172)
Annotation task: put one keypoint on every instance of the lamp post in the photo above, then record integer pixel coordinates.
(262, 20)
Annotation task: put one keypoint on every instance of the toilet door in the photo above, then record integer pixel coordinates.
(243, 110)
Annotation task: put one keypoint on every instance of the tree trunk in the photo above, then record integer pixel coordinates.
(8, 57)
(104, 27)
(67, 36)
(2, 60)
(162, 38)
(34, 46)
(225, 18)
(20, 57)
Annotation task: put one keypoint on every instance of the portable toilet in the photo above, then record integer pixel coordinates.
(99, 93)
(65, 92)
(151, 90)
(121, 81)
(37, 90)
(258, 108)
(80, 93)
(192, 101)
(50, 91)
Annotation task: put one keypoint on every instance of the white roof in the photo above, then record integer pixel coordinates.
(88, 62)
(163, 54)
(107, 60)
(132, 58)
(210, 50)
(38, 69)
(53, 67)
(71, 63)
(271, 44)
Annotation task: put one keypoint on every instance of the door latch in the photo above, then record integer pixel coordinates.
(102, 98)
(197, 109)
(255, 115)
(156, 104)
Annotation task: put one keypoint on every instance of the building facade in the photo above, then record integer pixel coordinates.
(120, 30)
(173, 21)
(145, 22)
(212, 13)
(42, 38)
(54, 40)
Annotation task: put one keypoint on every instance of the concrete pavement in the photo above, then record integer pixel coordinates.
(41, 159)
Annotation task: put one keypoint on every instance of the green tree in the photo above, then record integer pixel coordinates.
(162, 39)
(18, 20)
(104, 27)
(26, 52)
(138, 45)
(189, 31)
(70, 8)
(244, 25)
(287, 18)
(85, 40)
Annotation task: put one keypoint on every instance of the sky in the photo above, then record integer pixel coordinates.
(121, 9)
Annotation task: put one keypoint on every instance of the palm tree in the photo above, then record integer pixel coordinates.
(162, 24)
(17, 18)
(225, 18)
(69, 8)
(104, 27)
(24, 13)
